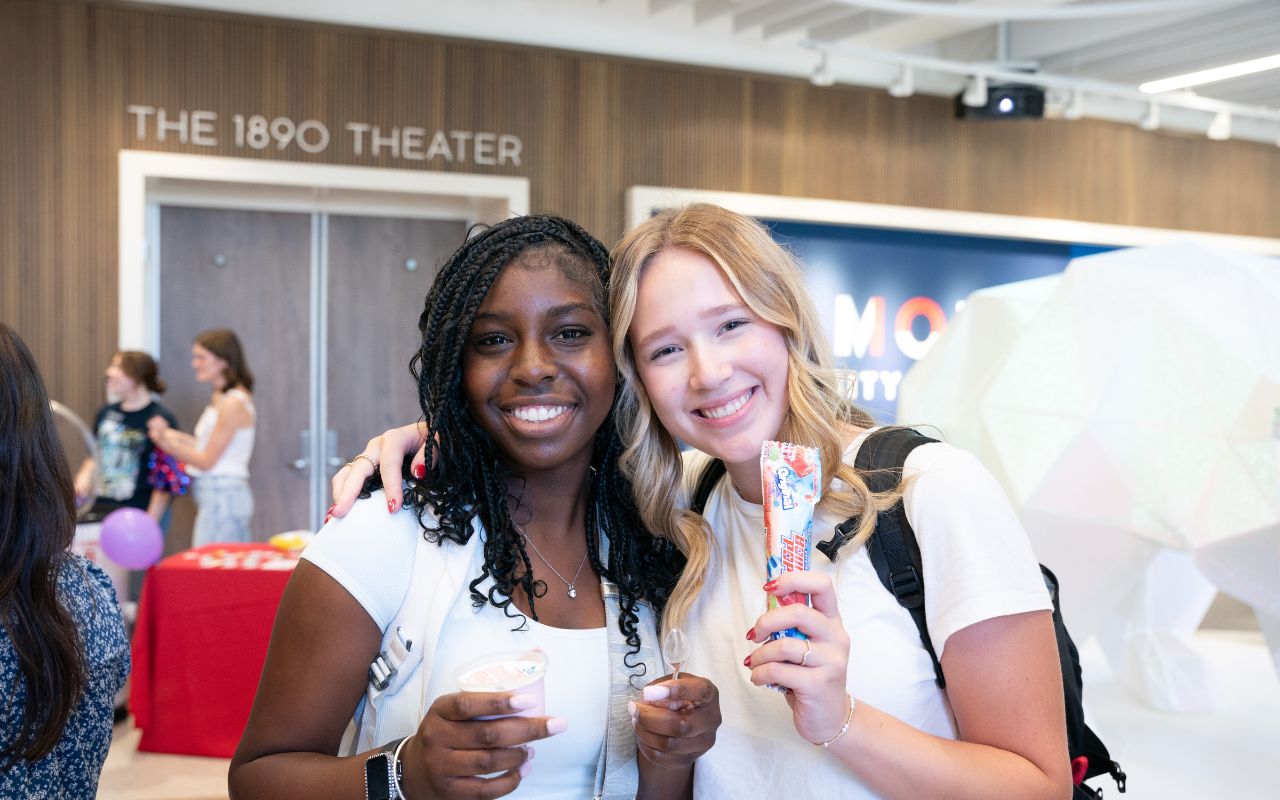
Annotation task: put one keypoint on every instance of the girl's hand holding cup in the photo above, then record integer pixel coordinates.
(474, 743)
(466, 736)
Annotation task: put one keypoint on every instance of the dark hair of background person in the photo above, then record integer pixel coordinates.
(467, 479)
(37, 525)
(141, 368)
(224, 344)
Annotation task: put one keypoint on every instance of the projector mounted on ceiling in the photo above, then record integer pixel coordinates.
(1001, 101)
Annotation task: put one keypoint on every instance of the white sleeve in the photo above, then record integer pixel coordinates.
(978, 562)
(370, 553)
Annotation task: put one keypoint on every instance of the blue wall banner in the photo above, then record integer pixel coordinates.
(884, 296)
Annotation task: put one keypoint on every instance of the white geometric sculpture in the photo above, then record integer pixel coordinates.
(1130, 405)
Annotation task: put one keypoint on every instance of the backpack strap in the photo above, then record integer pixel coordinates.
(893, 549)
(707, 481)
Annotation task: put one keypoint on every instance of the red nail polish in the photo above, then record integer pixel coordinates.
(1079, 766)
(751, 635)
(419, 471)
(391, 506)
(329, 513)
(327, 517)
(771, 585)
(746, 662)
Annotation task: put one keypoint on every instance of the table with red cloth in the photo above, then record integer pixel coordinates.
(204, 623)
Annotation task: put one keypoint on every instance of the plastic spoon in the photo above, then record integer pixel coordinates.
(675, 650)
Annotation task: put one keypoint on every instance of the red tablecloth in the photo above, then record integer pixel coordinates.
(204, 622)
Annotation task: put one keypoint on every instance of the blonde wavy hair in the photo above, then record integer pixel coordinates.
(769, 281)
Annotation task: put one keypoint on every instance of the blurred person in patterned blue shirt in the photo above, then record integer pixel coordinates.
(63, 649)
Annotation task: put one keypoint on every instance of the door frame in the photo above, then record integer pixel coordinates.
(149, 180)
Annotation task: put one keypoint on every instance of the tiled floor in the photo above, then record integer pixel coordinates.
(1224, 755)
(130, 775)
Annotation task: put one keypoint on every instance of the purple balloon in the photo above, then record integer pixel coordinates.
(131, 538)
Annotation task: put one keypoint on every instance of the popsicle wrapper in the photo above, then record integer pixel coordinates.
(792, 477)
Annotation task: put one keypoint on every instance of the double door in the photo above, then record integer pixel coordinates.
(327, 307)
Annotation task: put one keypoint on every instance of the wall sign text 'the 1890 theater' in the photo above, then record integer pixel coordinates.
(258, 132)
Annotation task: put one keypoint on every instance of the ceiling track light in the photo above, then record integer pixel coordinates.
(1105, 99)
(905, 84)
(975, 92)
(822, 71)
(1151, 120)
(1075, 105)
(996, 11)
(1220, 129)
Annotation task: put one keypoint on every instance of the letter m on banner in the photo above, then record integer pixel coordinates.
(858, 334)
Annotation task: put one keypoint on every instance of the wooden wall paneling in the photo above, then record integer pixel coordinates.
(591, 126)
(18, 136)
(803, 135)
(599, 111)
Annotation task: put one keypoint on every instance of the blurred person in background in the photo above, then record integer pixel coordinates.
(63, 650)
(217, 455)
(124, 451)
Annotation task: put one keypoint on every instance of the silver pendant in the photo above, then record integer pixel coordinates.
(572, 592)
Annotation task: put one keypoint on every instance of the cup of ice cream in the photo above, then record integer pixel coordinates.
(518, 672)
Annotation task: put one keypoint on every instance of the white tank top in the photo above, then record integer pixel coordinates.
(576, 688)
(234, 462)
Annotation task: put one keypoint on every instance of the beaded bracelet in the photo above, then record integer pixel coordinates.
(843, 728)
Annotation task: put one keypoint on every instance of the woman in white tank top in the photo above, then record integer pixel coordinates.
(217, 455)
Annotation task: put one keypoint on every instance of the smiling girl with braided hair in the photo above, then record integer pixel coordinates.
(517, 382)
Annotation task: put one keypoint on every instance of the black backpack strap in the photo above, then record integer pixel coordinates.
(1081, 739)
(893, 549)
(711, 475)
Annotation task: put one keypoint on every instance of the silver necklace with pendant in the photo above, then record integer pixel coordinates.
(571, 585)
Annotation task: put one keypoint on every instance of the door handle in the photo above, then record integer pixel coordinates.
(331, 457)
(301, 464)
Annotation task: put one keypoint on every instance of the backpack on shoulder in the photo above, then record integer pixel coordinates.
(895, 554)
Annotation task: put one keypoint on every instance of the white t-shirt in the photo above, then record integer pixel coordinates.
(373, 561)
(978, 565)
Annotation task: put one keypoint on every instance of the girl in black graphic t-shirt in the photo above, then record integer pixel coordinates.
(123, 446)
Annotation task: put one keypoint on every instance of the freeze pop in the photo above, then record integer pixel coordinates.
(792, 477)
